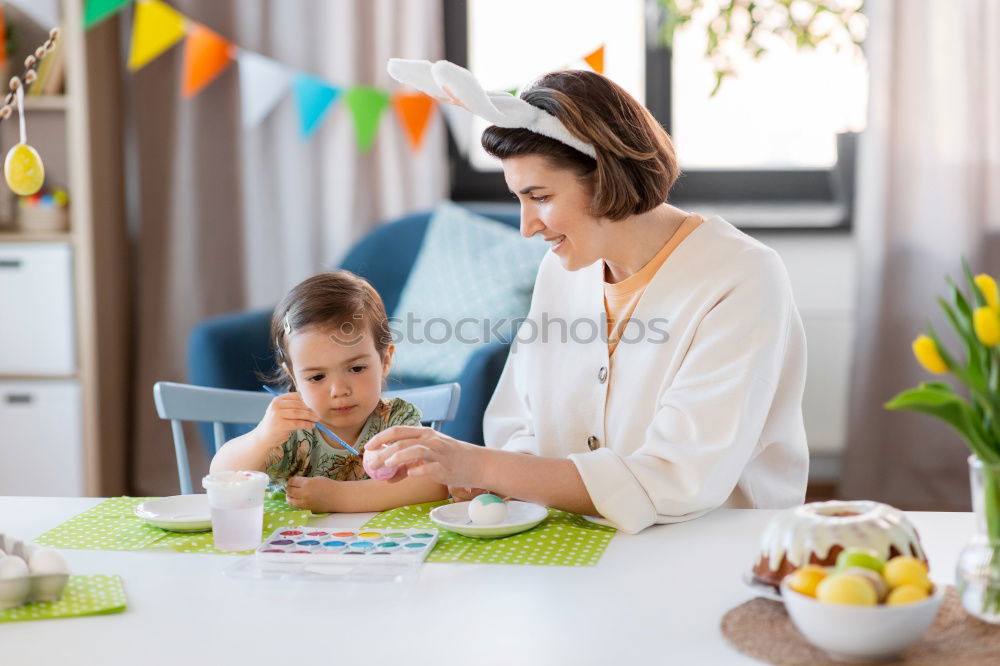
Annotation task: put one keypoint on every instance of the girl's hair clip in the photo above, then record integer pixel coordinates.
(288, 326)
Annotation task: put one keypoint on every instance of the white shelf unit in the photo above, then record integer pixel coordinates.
(63, 380)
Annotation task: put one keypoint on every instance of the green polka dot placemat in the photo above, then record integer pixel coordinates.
(562, 539)
(113, 525)
(96, 594)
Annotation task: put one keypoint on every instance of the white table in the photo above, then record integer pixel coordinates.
(654, 598)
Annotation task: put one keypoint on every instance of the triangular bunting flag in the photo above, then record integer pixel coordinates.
(206, 54)
(366, 105)
(413, 110)
(263, 83)
(98, 10)
(460, 125)
(596, 60)
(156, 28)
(314, 97)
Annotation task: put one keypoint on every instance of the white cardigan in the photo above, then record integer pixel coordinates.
(673, 425)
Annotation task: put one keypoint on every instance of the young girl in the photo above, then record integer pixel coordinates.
(333, 346)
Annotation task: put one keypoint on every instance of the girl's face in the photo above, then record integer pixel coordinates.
(339, 379)
(556, 205)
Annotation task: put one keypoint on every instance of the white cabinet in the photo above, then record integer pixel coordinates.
(36, 318)
(41, 450)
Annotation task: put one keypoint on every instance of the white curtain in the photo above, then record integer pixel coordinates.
(928, 193)
(226, 219)
(306, 202)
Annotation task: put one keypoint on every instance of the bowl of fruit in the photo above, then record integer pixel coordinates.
(862, 608)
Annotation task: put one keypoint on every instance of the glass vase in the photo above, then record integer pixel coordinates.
(977, 575)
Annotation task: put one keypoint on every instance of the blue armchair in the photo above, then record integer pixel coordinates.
(230, 350)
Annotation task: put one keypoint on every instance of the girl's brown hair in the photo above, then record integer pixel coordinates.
(340, 301)
(635, 166)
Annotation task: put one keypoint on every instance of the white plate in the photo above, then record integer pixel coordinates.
(761, 589)
(180, 513)
(521, 516)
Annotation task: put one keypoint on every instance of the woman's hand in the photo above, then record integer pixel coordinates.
(463, 494)
(420, 451)
(285, 414)
(316, 493)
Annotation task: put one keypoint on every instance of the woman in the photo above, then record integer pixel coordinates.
(692, 398)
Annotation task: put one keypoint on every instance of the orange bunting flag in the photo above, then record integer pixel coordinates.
(414, 111)
(206, 55)
(596, 60)
(157, 27)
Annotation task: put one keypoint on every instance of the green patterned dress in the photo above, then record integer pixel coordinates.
(306, 453)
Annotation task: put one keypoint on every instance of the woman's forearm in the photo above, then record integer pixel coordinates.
(243, 452)
(372, 495)
(553, 482)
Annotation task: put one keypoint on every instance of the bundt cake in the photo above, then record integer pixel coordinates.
(815, 533)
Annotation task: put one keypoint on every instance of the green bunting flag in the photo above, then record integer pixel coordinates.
(366, 105)
(98, 10)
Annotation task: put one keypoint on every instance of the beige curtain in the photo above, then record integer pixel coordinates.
(225, 219)
(928, 193)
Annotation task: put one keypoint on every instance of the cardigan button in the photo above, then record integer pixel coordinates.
(602, 374)
(593, 443)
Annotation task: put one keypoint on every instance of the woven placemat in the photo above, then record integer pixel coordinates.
(761, 628)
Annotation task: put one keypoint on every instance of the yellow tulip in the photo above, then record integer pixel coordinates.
(927, 353)
(988, 286)
(987, 325)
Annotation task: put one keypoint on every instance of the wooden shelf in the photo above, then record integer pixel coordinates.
(33, 378)
(15, 236)
(45, 103)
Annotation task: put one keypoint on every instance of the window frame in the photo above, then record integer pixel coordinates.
(725, 189)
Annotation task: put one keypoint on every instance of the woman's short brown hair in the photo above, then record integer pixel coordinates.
(635, 166)
(340, 301)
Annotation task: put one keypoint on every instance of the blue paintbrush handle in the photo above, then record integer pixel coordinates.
(321, 427)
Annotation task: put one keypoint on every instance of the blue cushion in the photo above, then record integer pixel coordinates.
(472, 273)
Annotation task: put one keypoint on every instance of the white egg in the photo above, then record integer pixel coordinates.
(47, 561)
(12, 566)
(487, 510)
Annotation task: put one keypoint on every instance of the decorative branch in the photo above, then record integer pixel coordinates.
(30, 74)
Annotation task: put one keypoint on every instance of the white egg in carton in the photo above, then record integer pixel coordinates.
(30, 573)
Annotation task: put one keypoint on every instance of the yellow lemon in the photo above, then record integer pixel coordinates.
(805, 579)
(906, 570)
(24, 170)
(906, 594)
(845, 588)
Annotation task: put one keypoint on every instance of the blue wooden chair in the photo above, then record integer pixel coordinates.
(183, 402)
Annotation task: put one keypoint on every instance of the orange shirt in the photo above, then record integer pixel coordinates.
(621, 298)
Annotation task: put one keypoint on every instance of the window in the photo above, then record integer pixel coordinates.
(764, 152)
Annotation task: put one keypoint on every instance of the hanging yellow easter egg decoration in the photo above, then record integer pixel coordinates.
(23, 167)
(24, 170)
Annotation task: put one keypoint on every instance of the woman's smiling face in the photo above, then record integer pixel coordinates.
(555, 204)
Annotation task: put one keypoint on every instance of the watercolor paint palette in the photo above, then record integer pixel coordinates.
(369, 546)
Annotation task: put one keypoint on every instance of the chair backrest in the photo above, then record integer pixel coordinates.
(185, 402)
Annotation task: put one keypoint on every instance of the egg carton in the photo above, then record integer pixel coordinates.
(19, 590)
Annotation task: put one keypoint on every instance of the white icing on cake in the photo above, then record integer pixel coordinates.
(814, 528)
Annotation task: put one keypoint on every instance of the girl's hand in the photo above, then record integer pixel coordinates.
(285, 414)
(315, 493)
(420, 451)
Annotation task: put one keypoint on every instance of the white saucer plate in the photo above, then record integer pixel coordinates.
(760, 589)
(179, 513)
(521, 516)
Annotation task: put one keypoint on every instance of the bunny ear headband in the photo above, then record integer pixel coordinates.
(449, 83)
